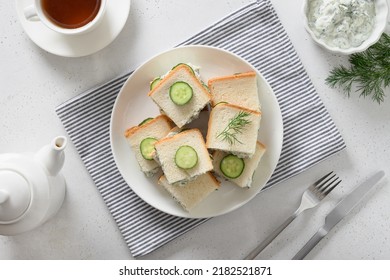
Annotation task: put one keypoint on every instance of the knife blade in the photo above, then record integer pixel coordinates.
(342, 209)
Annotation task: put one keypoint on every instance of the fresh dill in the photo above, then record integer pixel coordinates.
(369, 70)
(235, 126)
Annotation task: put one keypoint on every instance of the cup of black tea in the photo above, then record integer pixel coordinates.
(69, 17)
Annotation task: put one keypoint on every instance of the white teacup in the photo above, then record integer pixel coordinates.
(37, 11)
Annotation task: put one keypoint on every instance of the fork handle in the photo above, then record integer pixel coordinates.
(310, 244)
(270, 238)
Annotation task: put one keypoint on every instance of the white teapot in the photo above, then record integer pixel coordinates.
(31, 188)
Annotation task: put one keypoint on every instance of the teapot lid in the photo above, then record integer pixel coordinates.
(15, 196)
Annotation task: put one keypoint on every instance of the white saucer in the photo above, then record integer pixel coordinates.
(115, 17)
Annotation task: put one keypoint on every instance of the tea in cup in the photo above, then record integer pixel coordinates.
(68, 17)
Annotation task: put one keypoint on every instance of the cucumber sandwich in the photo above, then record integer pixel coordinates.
(238, 170)
(180, 95)
(183, 156)
(233, 129)
(238, 89)
(166, 142)
(192, 193)
(142, 138)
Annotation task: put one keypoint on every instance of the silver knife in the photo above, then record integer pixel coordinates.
(339, 212)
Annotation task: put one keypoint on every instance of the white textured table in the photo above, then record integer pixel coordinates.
(33, 82)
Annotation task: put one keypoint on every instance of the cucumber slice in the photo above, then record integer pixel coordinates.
(232, 166)
(180, 93)
(186, 157)
(154, 83)
(189, 67)
(220, 102)
(145, 121)
(147, 147)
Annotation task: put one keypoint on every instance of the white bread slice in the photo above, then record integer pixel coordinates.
(245, 179)
(180, 114)
(192, 193)
(166, 149)
(157, 128)
(239, 89)
(245, 143)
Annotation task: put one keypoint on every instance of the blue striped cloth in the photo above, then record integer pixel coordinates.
(253, 32)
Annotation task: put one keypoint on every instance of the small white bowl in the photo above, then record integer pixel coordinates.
(381, 10)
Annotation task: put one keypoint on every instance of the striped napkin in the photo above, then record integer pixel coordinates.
(253, 32)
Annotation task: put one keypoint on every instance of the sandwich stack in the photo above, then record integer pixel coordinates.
(233, 127)
(188, 161)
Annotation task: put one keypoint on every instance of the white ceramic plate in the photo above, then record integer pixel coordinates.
(133, 105)
(113, 21)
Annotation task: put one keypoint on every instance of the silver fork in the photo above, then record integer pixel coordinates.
(310, 198)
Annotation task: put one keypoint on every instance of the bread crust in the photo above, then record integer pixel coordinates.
(254, 112)
(261, 145)
(218, 183)
(230, 77)
(179, 135)
(132, 130)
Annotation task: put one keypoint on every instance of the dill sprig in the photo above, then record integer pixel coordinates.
(369, 70)
(235, 126)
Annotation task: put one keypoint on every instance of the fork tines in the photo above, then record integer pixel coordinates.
(327, 183)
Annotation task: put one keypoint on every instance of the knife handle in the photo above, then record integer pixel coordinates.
(310, 244)
(270, 238)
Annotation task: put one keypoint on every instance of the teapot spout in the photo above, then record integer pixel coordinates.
(52, 156)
